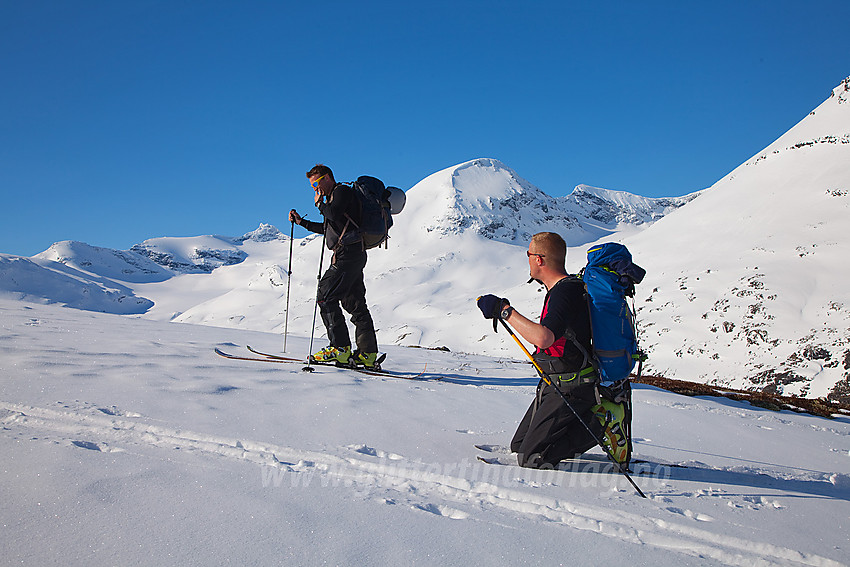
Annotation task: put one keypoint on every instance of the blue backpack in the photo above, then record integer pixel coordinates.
(610, 276)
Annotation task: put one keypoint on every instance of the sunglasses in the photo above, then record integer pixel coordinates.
(315, 184)
(530, 254)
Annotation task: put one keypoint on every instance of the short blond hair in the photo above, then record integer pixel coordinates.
(552, 247)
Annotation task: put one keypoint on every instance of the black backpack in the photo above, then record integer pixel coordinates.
(376, 209)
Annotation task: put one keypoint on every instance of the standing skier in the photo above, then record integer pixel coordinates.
(342, 283)
(549, 432)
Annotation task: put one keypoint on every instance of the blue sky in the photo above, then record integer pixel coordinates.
(121, 121)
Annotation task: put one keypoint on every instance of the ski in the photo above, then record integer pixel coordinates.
(644, 467)
(274, 356)
(372, 371)
(311, 360)
(235, 357)
(565, 466)
(264, 357)
(377, 371)
(375, 368)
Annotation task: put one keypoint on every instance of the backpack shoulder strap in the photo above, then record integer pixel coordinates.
(348, 220)
(570, 334)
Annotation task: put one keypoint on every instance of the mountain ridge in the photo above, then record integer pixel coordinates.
(491, 199)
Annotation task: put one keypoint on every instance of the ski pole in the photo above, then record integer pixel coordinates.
(570, 407)
(309, 368)
(288, 285)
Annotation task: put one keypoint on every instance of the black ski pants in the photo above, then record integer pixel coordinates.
(342, 284)
(550, 433)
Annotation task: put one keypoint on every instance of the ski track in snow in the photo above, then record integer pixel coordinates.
(369, 471)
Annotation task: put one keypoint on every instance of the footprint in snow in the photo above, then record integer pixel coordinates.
(115, 412)
(444, 511)
(690, 514)
(86, 445)
(99, 447)
(372, 452)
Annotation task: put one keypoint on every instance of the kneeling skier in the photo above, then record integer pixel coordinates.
(550, 432)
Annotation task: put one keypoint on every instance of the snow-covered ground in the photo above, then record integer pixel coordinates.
(127, 441)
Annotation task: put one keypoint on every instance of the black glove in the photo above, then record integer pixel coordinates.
(491, 306)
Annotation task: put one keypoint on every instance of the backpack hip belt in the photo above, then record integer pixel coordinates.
(571, 380)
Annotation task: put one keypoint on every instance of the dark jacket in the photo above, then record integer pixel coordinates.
(342, 213)
(565, 312)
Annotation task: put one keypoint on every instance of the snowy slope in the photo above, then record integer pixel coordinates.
(747, 285)
(42, 280)
(128, 442)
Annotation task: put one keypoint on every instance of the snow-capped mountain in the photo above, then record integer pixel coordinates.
(490, 199)
(100, 279)
(201, 254)
(747, 286)
(124, 265)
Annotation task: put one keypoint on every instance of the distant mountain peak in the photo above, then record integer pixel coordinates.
(192, 254)
(619, 207)
(263, 233)
(121, 265)
(488, 198)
